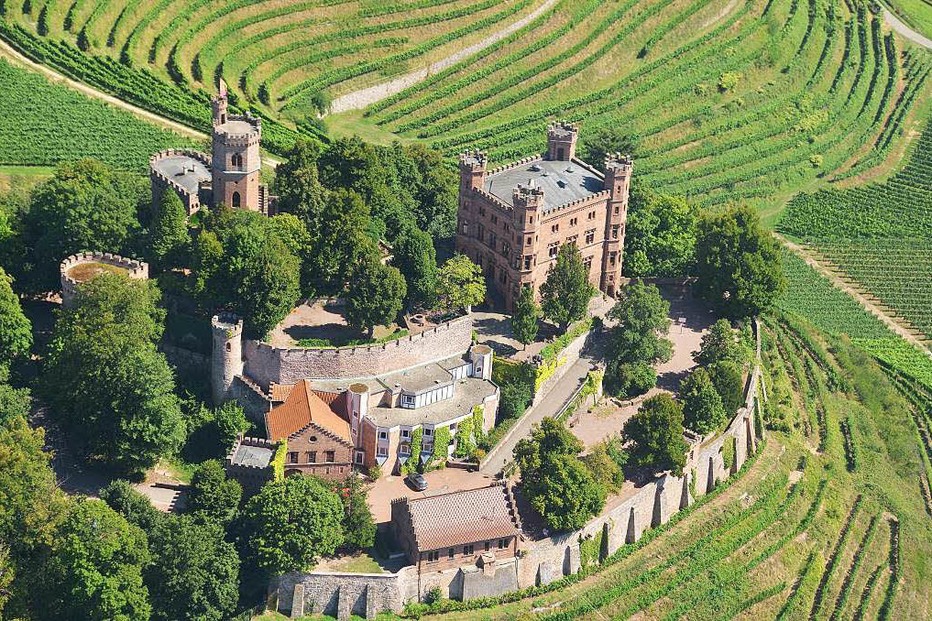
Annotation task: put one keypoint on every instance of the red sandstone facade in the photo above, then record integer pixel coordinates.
(513, 220)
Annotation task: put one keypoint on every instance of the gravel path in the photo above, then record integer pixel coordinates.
(358, 100)
(894, 22)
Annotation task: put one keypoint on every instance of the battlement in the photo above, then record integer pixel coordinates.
(233, 459)
(563, 130)
(157, 175)
(588, 200)
(227, 325)
(82, 267)
(474, 159)
(617, 162)
(240, 130)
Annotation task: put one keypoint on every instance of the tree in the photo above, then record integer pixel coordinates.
(15, 328)
(720, 343)
(557, 484)
(84, 206)
(566, 293)
(292, 522)
(95, 567)
(357, 522)
(341, 243)
(194, 573)
(728, 380)
(211, 432)
(604, 468)
(515, 397)
(702, 406)
(168, 234)
(213, 496)
(656, 432)
(110, 388)
(297, 183)
(738, 264)
(637, 341)
(660, 236)
(123, 498)
(414, 255)
(460, 284)
(14, 402)
(375, 296)
(524, 320)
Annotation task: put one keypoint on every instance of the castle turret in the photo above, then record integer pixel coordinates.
(227, 359)
(561, 141)
(618, 170)
(472, 171)
(528, 200)
(357, 406)
(481, 358)
(235, 160)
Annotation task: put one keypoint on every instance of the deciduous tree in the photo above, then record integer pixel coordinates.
(566, 293)
(656, 432)
(15, 328)
(123, 498)
(375, 296)
(727, 378)
(214, 497)
(702, 406)
(526, 316)
(637, 341)
(168, 234)
(660, 236)
(414, 255)
(292, 523)
(737, 263)
(460, 284)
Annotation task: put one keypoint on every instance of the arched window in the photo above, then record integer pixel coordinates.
(236, 200)
(237, 160)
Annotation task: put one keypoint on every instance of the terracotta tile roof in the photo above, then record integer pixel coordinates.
(280, 392)
(453, 519)
(302, 408)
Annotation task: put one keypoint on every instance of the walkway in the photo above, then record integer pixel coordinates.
(905, 31)
(894, 324)
(550, 406)
(357, 100)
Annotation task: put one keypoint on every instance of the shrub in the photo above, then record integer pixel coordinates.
(633, 379)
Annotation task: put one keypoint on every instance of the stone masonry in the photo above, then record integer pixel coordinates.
(138, 270)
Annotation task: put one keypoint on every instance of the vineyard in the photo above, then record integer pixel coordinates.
(878, 235)
(45, 123)
(804, 531)
(734, 100)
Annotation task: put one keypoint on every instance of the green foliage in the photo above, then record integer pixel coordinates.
(590, 549)
(15, 403)
(122, 497)
(112, 391)
(552, 350)
(631, 379)
(375, 296)
(728, 453)
(212, 431)
(194, 573)
(720, 343)
(702, 405)
(465, 439)
(557, 484)
(608, 140)
(95, 567)
(441, 444)
(67, 125)
(602, 463)
(737, 263)
(637, 341)
(414, 255)
(657, 433)
(414, 461)
(660, 235)
(526, 317)
(84, 206)
(566, 293)
(168, 236)
(514, 399)
(15, 328)
(358, 524)
(460, 284)
(213, 497)
(728, 81)
(728, 380)
(293, 522)
(278, 460)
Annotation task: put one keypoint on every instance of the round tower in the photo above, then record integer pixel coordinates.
(357, 405)
(235, 160)
(227, 359)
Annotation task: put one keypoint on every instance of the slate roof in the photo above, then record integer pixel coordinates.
(301, 408)
(454, 519)
(184, 170)
(562, 181)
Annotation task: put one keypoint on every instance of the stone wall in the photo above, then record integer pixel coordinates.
(267, 364)
(135, 269)
(338, 594)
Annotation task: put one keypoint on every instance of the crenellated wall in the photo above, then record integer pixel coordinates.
(161, 182)
(624, 520)
(137, 270)
(267, 364)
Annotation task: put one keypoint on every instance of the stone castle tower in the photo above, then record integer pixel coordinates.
(236, 160)
(226, 362)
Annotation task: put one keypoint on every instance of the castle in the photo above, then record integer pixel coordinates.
(411, 399)
(512, 220)
(229, 176)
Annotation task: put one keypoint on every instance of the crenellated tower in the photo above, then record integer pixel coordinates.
(618, 183)
(528, 201)
(561, 141)
(226, 362)
(236, 159)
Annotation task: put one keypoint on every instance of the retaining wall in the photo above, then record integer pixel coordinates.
(267, 364)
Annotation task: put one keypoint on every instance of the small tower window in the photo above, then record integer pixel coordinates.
(236, 200)
(229, 347)
(237, 160)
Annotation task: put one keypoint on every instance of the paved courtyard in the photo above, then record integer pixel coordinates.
(442, 481)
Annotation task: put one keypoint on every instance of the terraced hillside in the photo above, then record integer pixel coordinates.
(831, 520)
(728, 99)
(878, 235)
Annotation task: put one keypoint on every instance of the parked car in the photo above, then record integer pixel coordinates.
(417, 481)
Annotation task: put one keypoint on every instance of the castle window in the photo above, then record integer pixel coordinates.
(465, 227)
(481, 210)
(313, 438)
(433, 555)
(590, 215)
(383, 435)
(236, 199)
(588, 263)
(488, 546)
(330, 457)
(611, 258)
(502, 544)
(553, 249)
(554, 228)
(494, 219)
(237, 161)
(428, 431)
(469, 550)
(360, 456)
(450, 553)
(480, 232)
(310, 457)
(573, 221)
(527, 262)
(405, 433)
(493, 240)
(590, 236)
(614, 231)
(229, 346)
(404, 449)
(292, 457)
(528, 240)
(560, 153)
